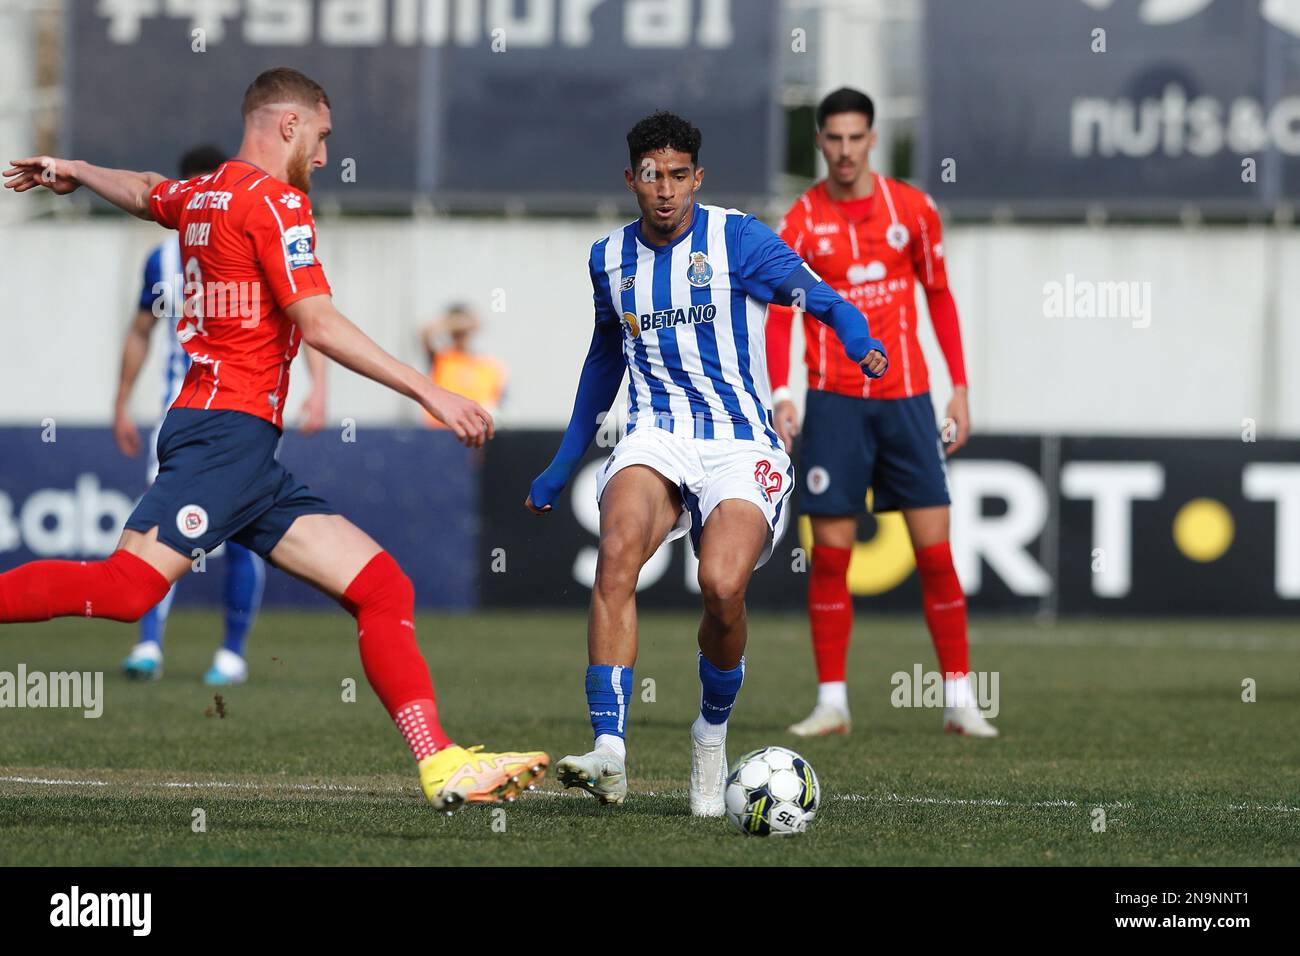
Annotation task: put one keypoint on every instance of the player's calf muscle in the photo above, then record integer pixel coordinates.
(122, 587)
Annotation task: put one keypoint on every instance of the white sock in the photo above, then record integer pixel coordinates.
(611, 742)
(957, 692)
(707, 733)
(834, 693)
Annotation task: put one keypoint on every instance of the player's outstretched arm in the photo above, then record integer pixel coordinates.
(329, 331)
(124, 188)
(773, 272)
(602, 374)
(825, 304)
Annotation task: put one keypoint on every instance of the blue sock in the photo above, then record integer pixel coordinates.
(245, 580)
(719, 690)
(609, 690)
(154, 621)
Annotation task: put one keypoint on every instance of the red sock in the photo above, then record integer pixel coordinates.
(945, 607)
(122, 587)
(830, 609)
(382, 600)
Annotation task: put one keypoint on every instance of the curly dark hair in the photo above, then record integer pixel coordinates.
(663, 130)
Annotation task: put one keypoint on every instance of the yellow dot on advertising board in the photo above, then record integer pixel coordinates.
(878, 565)
(1203, 529)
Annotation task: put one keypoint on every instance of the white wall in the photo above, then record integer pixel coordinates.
(17, 88)
(1225, 314)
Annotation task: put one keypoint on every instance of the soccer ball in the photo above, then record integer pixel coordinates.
(772, 792)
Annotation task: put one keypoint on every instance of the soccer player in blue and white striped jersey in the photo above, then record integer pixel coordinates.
(161, 298)
(681, 299)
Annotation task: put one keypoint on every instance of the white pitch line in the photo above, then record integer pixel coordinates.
(839, 797)
(196, 785)
(226, 785)
(42, 780)
(962, 802)
(1135, 639)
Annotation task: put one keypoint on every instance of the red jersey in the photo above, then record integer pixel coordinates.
(873, 262)
(248, 250)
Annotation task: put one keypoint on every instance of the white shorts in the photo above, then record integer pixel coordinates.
(708, 471)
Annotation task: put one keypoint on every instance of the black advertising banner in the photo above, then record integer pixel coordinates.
(1075, 526)
(66, 492)
(1051, 106)
(472, 103)
(1179, 526)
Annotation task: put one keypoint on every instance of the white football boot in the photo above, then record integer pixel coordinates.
(961, 713)
(227, 668)
(967, 721)
(601, 773)
(145, 662)
(708, 777)
(824, 720)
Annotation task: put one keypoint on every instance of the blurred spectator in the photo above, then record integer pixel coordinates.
(453, 365)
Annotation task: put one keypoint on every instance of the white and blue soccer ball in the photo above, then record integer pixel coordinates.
(772, 792)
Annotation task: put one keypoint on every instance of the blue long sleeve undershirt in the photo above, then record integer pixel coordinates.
(602, 372)
(598, 385)
(805, 290)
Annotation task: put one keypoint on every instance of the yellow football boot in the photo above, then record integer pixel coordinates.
(457, 775)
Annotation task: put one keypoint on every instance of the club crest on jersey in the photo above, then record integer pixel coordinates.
(192, 521)
(299, 246)
(633, 326)
(700, 272)
(897, 235)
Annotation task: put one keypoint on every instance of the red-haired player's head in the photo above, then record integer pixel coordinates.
(286, 121)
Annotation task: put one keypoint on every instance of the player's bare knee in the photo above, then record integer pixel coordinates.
(619, 563)
(723, 593)
(381, 588)
(615, 580)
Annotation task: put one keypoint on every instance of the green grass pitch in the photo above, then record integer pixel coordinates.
(1143, 719)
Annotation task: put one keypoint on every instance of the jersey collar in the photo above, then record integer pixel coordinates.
(838, 211)
(690, 230)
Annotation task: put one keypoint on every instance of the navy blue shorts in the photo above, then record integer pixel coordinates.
(219, 480)
(890, 445)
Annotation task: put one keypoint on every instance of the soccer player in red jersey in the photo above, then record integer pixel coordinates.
(254, 292)
(873, 239)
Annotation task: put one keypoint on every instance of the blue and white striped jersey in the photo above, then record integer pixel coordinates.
(693, 315)
(164, 284)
